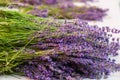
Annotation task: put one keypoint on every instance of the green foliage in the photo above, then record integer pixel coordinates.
(14, 27)
(17, 34)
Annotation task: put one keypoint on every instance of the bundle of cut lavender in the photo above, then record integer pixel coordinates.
(79, 51)
(63, 9)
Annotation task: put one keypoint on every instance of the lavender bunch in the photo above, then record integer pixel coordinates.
(79, 51)
(63, 9)
(70, 12)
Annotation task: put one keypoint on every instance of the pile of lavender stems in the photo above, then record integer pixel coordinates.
(67, 10)
(78, 51)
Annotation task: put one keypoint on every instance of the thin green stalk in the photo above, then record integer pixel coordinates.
(16, 55)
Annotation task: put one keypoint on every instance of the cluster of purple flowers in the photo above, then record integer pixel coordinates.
(79, 51)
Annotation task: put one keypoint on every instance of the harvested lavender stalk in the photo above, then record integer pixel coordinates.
(79, 51)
